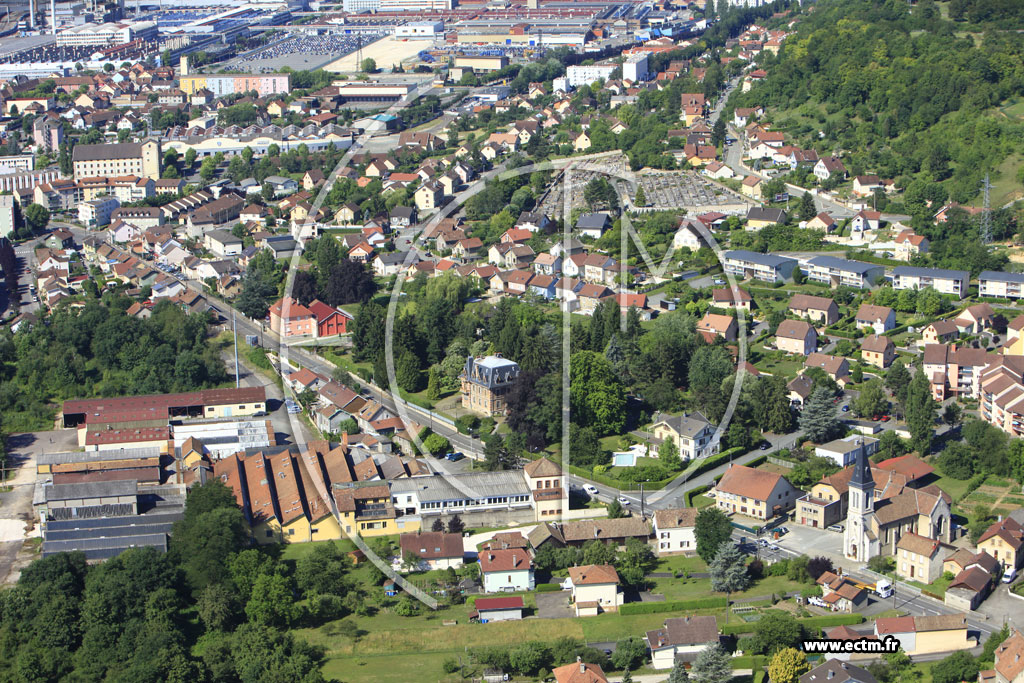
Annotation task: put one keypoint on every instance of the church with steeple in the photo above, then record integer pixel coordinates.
(880, 509)
(859, 541)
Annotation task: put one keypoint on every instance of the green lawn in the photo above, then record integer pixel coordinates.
(611, 627)
(937, 587)
(391, 668)
(954, 487)
(294, 551)
(678, 563)
(702, 501)
(690, 589)
(776, 363)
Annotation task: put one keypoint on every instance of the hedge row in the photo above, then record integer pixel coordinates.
(825, 621)
(672, 606)
(547, 588)
(694, 492)
(713, 461)
(623, 484)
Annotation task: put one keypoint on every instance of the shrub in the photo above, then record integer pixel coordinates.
(547, 588)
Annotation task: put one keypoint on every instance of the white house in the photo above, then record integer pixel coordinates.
(595, 588)
(593, 225)
(507, 570)
(689, 236)
(681, 638)
(674, 530)
(435, 549)
(844, 451)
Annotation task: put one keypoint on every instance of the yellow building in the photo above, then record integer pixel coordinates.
(128, 158)
(367, 511)
(754, 493)
(1004, 541)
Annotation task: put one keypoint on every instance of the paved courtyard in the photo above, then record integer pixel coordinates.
(554, 605)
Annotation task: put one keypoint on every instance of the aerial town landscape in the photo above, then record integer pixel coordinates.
(512, 340)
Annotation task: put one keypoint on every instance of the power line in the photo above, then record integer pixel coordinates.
(986, 212)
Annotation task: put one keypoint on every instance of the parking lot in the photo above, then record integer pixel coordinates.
(683, 188)
(302, 52)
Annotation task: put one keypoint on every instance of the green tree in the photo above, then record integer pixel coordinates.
(36, 217)
(872, 400)
(711, 665)
(641, 196)
(668, 454)
(210, 532)
(798, 276)
(368, 65)
(407, 372)
(952, 414)
(257, 292)
(819, 420)
(433, 383)
(718, 132)
(615, 510)
(596, 394)
(712, 530)
(322, 571)
(920, 413)
(709, 367)
(216, 607)
(770, 405)
(729, 570)
(897, 380)
(807, 209)
(774, 631)
(959, 666)
(272, 602)
(788, 665)
(629, 653)
(436, 444)
(679, 674)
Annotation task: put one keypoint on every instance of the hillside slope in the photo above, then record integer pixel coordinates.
(902, 92)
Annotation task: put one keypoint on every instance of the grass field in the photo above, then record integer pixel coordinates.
(1005, 187)
(423, 641)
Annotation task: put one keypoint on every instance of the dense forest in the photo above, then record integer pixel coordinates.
(210, 609)
(98, 350)
(901, 91)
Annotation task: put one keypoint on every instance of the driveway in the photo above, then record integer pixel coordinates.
(554, 605)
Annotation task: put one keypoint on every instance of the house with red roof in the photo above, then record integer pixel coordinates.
(330, 321)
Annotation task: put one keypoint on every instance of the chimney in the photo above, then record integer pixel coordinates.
(583, 667)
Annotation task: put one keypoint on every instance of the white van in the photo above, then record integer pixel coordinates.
(1010, 574)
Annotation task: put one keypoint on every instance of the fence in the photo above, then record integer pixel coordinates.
(788, 464)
